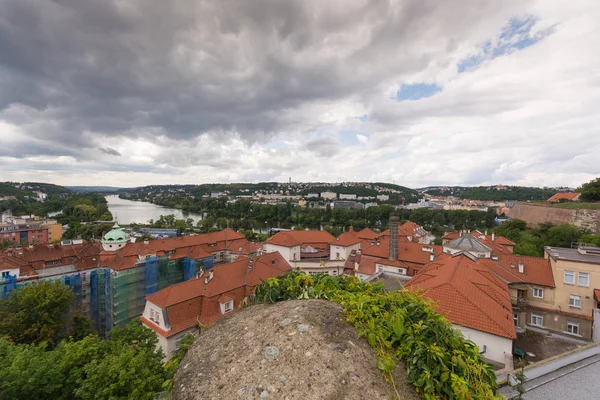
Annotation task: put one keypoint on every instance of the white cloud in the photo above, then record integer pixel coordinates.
(265, 94)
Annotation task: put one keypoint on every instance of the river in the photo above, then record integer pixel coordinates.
(140, 212)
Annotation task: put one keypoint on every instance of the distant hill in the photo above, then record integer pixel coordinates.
(88, 189)
(19, 189)
(494, 193)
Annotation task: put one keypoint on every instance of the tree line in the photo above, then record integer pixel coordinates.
(49, 351)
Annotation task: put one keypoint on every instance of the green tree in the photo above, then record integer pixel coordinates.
(563, 235)
(127, 372)
(38, 313)
(590, 191)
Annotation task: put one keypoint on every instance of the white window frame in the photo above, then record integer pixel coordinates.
(534, 317)
(538, 293)
(587, 275)
(573, 327)
(572, 274)
(516, 319)
(573, 300)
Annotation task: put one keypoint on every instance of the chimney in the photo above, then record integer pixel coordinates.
(493, 236)
(10, 251)
(431, 257)
(249, 264)
(30, 247)
(209, 277)
(146, 242)
(393, 247)
(521, 267)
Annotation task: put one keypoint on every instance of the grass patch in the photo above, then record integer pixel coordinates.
(578, 206)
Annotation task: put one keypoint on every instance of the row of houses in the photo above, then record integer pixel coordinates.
(488, 292)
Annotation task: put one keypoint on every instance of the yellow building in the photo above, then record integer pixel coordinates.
(576, 273)
(54, 230)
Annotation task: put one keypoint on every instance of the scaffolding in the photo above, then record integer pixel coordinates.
(113, 298)
(125, 291)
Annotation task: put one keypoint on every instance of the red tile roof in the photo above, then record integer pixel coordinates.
(468, 294)
(597, 294)
(451, 236)
(407, 251)
(295, 238)
(407, 229)
(347, 239)
(367, 234)
(560, 196)
(226, 278)
(537, 270)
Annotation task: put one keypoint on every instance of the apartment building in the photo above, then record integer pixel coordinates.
(576, 273)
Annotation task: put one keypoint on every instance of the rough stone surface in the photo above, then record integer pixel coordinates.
(327, 361)
(537, 214)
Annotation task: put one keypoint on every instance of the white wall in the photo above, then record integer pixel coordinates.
(343, 250)
(12, 272)
(390, 268)
(161, 318)
(496, 346)
(286, 252)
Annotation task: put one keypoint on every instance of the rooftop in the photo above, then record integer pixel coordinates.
(583, 254)
(467, 293)
(468, 243)
(295, 238)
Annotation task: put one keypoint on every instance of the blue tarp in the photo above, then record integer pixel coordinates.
(151, 275)
(189, 269)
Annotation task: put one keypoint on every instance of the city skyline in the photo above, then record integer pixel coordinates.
(420, 94)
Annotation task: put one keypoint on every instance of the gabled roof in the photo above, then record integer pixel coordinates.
(468, 243)
(295, 238)
(183, 301)
(367, 234)
(408, 252)
(468, 294)
(536, 270)
(560, 196)
(408, 228)
(347, 239)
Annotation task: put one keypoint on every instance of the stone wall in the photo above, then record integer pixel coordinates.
(537, 214)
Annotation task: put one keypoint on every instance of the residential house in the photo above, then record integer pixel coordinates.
(178, 309)
(311, 251)
(576, 274)
(558, 197)
(474, 299)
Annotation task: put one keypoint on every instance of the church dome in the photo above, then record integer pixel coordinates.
(116, 236)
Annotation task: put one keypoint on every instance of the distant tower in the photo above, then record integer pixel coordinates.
(393, 250)
(115, 239)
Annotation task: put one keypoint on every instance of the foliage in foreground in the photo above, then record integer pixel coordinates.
(45, 312)
(402, 326)
(125, 366)
(48, 351)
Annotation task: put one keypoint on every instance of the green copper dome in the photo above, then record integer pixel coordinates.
(115, 235)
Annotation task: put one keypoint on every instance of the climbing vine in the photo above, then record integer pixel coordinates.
(399, 325)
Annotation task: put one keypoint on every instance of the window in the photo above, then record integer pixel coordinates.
(573, 327)
(570, 277)
(537, 319)
(538, 293)
(229, 306)
(334, 273)
(337, 256)
(575, 301)
(151, 314)
(516, 319)
(379, 268)
(157, 318)
(584, 279)
(5, 274)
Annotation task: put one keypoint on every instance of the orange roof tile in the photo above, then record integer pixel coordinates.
(560, 196)
(468, 294)
(367, 234)
(597, 294)
(295, 238)
(537, 270)
(407, 251)
(347, 239)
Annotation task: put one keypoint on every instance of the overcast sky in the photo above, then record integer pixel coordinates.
(423, 92)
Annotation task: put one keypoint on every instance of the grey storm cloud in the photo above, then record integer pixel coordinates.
(324, 147)
(108, 150)
(187, 68)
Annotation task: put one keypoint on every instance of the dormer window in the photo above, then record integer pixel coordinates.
(228, 306)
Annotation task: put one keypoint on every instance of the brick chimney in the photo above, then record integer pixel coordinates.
(393, 249)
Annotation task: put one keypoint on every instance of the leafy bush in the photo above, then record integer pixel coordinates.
(400, 326)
